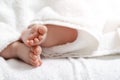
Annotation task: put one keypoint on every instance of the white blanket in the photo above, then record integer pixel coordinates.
(96, 20)
(102, 68)
(20, 14)
(97, 23)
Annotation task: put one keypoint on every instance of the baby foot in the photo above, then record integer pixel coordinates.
(30, 56)
(35, 56)
(34, 35)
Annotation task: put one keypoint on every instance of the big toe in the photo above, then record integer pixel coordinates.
(42, 29)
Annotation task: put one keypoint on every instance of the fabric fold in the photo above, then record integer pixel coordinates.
(85, 39)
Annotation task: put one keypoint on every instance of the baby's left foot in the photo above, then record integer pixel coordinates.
(20, 50)
(34, 35)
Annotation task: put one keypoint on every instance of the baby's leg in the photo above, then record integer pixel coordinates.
(58, 35)
(48, 35)
(34, 35)
(21, 51)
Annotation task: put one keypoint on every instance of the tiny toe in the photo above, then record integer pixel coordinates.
(40, 37)
(33, 57)
(28, 42)
(35, 63)
(36, 40)
(42, 30)
(36, 50)
(31, 42)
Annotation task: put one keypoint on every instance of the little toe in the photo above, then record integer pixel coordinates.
(40, 37)
(34, 63)
(36, 41)
(31, 42)
(28, 43)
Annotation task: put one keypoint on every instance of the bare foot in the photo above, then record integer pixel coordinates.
(34, 35)
(30, 56)
(21, 51)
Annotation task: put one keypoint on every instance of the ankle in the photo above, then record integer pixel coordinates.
(10, 51)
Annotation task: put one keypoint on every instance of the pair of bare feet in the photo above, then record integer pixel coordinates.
(28, 47)
(32, 38)
(35, 37)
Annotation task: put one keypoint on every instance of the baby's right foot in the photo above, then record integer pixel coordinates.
(34, 35)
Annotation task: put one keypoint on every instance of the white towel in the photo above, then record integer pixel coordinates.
(94, 38)
(24, 14)
(97, 21)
